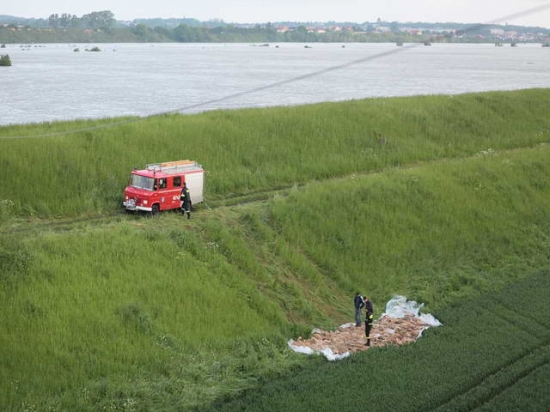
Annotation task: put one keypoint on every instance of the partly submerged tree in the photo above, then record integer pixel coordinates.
(5, 60)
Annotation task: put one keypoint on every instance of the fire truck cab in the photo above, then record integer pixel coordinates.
(158, 186)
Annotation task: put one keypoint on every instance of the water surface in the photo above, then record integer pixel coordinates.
(53, 82)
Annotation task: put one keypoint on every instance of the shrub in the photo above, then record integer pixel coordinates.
(5, 60)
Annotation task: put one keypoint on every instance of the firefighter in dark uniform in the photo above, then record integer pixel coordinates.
(358, 304)
(368, 318)
(185, 198)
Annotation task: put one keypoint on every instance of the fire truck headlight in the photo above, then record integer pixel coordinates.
(145, 202)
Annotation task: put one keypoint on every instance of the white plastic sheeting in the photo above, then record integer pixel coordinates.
(397, 307)
(326, 352)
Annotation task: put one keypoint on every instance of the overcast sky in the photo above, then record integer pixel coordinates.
(262, 11)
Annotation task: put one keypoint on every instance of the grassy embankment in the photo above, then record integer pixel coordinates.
(249, 151)
(170, 314)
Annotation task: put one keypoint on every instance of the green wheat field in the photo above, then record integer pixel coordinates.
(443, 199)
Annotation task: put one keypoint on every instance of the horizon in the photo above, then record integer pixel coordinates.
(296, 21)
(531, 13)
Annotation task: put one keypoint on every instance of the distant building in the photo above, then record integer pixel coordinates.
(382, 29)
(411, 30)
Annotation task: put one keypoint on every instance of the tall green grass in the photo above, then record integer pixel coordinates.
(434, 233)
(171, 314)
(257, 149)
(102, 317)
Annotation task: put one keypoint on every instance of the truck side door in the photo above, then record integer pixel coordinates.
(177, 183)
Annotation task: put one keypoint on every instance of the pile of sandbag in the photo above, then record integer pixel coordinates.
(399, 325)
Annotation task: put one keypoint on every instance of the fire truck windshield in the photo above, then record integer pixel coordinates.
(142, 182)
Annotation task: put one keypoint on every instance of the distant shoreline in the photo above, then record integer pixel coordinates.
(11, 34)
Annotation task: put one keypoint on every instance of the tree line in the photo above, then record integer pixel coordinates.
(190, 34)
(94, 20)
(101, 26)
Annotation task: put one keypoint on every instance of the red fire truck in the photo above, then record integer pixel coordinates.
(158, 186)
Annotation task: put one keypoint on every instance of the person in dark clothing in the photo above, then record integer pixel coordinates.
(185, 198)
(369, 316)
(358, 304)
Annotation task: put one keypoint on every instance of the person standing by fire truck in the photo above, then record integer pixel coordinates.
(185, 197)
(368, 318)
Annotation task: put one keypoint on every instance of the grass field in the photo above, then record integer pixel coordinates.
(103, 311)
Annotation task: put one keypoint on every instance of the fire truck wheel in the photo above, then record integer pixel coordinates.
(155, 210)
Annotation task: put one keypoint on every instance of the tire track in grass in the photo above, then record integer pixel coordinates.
(494, 383)
(63, 224)
(524, 395)
(235, 200)
(540, 331)
(531, 359)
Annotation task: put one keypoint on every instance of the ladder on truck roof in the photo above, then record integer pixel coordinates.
(174, 167)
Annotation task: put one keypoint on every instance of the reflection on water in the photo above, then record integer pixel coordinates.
(55, 82)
